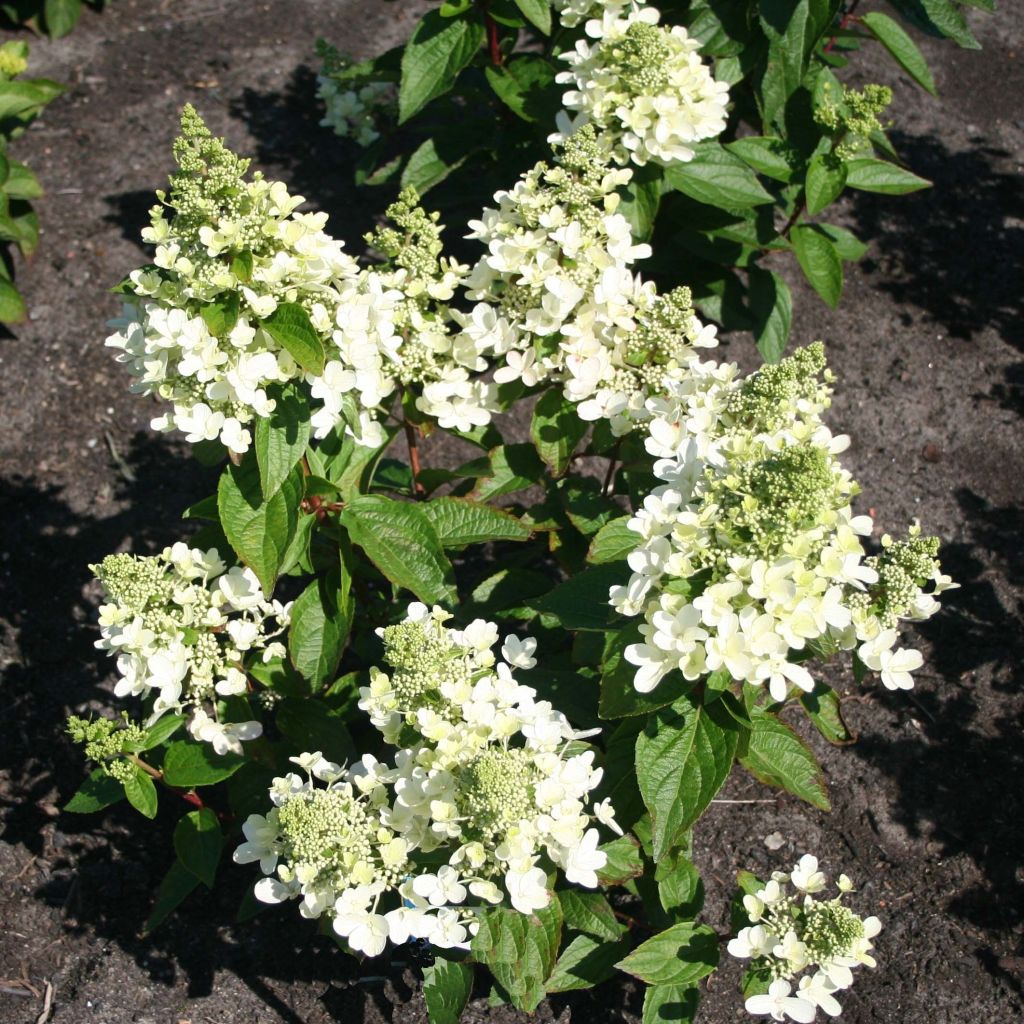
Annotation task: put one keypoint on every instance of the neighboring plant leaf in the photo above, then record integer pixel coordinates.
(819, 261)
(556, 429)
(198, 843)
(680, 955)
(98, 791)
(871, 175)
(778, 757)
(670, 1004)
(141, 792)
(177, 884)
(446, 989)
(613, 542)
(188, 765)
(459, 521)
(903, 49)
(289, 325)
(281, 438)
(584, 963)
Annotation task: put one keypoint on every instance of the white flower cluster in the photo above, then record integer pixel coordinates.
(487, 778)
(356, 112)
(574, 12)
(751, 558)
(233, 252)
(181, 625)
(793, 932)
(643, 86)
(557, 300)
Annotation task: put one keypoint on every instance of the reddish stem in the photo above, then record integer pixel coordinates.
(493, 45)
(847, 20)
(414, 458)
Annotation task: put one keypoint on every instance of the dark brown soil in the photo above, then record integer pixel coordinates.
(929, 350)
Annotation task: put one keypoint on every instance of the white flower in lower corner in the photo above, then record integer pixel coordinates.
(818, 989)
(226, 738)
(780, 1005)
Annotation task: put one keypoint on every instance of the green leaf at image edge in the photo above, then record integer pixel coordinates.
(446, 989)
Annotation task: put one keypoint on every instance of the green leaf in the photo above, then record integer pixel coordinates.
(98, 791)
(556, 429)
(524, 86)
(198, 843)
(320, 622)
(826, 177)
(717, 177)
(771, 309)
(670, 1004)
(459, 521)
(259, 530)
(25, 99)
(619, 696)
(61, 16)
(21, 183)
(624, 861)
(241, 266)
(177, 884)
(427, 167)
(793, 30)
(511, 467)
(680, 955)
(188, 765)
(641, 199)
(281, 437)
(311, 725)
(819, 261)
(824, 709)
(613, 542)
(446, 989)
(680, 888)
(590, 913)
(402, 542)
(520, 950)
(778, 757)
(221, 315)
(767, 154)
(438, 50)
(12, 305)
(948, 19)
(538, 13)
(289, 325)
(584, 963)
(903, 49)
(683, 757)
(871, 175)
(161, 731)
(847, 244)
(141, 792)
(581, 602)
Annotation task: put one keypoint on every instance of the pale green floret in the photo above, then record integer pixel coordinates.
(854, 117)
(903, 568)
(423, 658)
(640, 59)
(105, 741)
(414, 242)
(325, 834)
(496, 790)
(766, 398)
(11, 63)
(830, 930)
(134, 580)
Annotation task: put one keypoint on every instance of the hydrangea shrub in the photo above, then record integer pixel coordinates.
(483, 707)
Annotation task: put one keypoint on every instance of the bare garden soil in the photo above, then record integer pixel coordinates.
(928, 346)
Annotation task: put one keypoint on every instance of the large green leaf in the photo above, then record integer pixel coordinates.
(141, 792)
(717, 177)
(767, 154)
(459, 521)
(402, 542)
(556, 429)
(177, 884)
(12, 305)
(683, 757)
(670, 1004)
(778, 757)
(524, 86)
(289, 325)
(98, 791)
(793, 28)
(520, 950)
(320, 622)
(538, 13)
(260, 530)
(281, 437)
(511, 467)
(61, 16)
(624, 861)
(949, 20)
(584, 963)
(438, 50)
(198, 843)
(819, 260)
(826, 176)
(446, 989)
(613, 542)
(188, 765)
(824, 709)
(680, 955)
(903, 49)
(641, 199)
(871, 175)
(590, 913)
(581, 602)
(771, 309)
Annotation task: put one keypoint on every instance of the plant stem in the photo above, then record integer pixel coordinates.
(414, 459)
(493, 45)
(609, 477)
(189, 796)
(844, 23)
